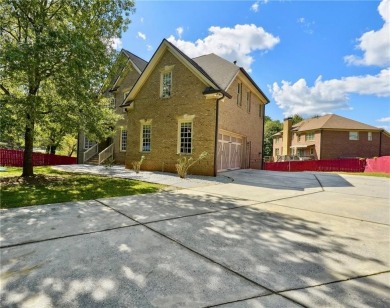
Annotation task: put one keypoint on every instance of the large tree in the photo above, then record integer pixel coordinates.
(54, 56)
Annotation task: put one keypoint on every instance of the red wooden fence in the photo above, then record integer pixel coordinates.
(15, 158)
(347, 165)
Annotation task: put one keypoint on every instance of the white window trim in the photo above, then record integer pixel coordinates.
(353, 139)
(369, 136)
(143, 123)
(248, 101)
(239, 94)
(310, 134)
(163, 71)
(121, 139)
(185, 119)
(113, 102)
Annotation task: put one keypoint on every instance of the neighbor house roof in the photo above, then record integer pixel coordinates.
(332, 121)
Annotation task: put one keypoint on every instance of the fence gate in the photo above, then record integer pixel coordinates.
(229, 152)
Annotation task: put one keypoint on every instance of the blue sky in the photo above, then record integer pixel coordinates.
(308, 57)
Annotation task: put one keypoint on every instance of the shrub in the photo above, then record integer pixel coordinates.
(137, 164)
(184, 163)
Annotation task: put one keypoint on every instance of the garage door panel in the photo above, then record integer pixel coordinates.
(229, 152)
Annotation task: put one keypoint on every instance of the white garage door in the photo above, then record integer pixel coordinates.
(229, 153)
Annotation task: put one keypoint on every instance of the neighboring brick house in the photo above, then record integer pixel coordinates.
(182, 106)
(131, 67)
(330, 137)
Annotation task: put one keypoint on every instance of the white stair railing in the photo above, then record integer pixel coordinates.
(90, 153)
(106, 153)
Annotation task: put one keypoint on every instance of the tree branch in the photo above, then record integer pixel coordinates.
(5, 90)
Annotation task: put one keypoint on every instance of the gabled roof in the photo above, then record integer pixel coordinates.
(332, 121)
(215, 72)
(221, 70)
(137, 61)
(138, 64)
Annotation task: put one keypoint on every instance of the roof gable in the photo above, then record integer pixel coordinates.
(166, 46)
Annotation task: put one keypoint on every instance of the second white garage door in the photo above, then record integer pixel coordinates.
(229, 152)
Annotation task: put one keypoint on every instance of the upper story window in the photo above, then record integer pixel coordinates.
(239, 94)
(113, 102)
(276, 152)
(276, 140)
(309, 136)
(298, 137)
(166, 84)
(353, 135)
(248, 101)
(261, 111)
(369, 136)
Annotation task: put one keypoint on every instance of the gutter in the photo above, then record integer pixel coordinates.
(216, 132)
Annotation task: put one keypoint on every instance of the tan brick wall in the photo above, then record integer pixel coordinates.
(236, 119)
(125, 86)
(186, 98)
(336, 144)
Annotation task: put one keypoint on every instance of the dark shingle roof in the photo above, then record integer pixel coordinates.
(221, 70)
(140, 63)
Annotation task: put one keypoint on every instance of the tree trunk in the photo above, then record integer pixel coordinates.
(28, 148)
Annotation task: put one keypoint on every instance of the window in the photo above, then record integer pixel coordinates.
(88, 143)
(309, 137)
(239, 94)
(311, 151)
(146, 134)
(166, 84)
(276, 152)
(248, 101)
(369, 136)
(261, 111)
(112, 102)
(299, 137)
(277, 140)
(353, 135)
(123, 140)
(185, 137)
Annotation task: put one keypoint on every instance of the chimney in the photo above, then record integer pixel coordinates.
(287, 124)
(235, 62)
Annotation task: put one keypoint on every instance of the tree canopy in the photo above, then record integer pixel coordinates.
(54, 57)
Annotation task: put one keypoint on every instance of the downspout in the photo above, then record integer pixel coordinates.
(380, 143)
(216, 133)
(262, 141)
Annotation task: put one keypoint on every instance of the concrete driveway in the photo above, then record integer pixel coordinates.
(259, 239)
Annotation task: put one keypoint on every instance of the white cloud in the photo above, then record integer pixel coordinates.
(115, 43)
(255, 6)
(141, 35)
(326, 96)
(384, 120)
(179, 31)
(301, 20)
(375, 44)
(233, 44)
(141, 20)
(149, 47)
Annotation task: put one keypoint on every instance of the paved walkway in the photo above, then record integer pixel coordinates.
(165, 178)
(261, 239)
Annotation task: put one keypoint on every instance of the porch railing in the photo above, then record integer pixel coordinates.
(90, 153)
(106, 153)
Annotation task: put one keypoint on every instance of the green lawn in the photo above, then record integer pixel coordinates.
(52, 186)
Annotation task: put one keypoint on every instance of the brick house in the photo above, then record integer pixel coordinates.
(183, 106)
(129, 70)
(330, 137)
